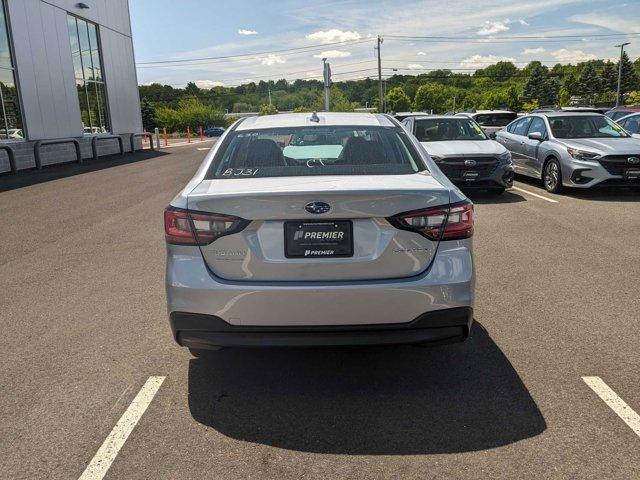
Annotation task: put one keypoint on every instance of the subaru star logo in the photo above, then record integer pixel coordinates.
(317, 207)
(470, 163)
(633, 160)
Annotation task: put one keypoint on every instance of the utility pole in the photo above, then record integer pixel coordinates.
(326, 75)
(380, 94)
(622, 45)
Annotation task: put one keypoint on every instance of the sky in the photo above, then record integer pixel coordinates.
(190, 32)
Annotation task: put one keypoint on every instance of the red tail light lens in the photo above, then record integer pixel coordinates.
(453, 222)
(184, 227)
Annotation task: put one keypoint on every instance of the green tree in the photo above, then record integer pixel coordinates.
(609, 76)
(192, 89)
(629, 78)
(589, 82)
(397, 100)
(540, 87)
(571, 83)
(634, 98)
(240, 107)
(148, 114)
(431, 96)
(267, 109)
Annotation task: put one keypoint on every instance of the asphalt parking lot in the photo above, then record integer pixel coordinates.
(85, 327)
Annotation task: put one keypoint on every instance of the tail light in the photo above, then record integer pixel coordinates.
(453, 222)
(184, 227)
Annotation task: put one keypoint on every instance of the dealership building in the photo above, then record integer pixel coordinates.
(67, 72)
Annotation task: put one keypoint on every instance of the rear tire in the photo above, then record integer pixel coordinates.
(552, 176)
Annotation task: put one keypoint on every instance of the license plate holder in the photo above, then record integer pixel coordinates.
(318, 239)
(470, 175)
(632, 174)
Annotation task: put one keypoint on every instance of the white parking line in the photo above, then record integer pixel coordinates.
(206, 148)
(551, 200)
(109, 449)
(608, 396)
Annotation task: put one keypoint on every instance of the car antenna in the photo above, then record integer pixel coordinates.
(314, 118)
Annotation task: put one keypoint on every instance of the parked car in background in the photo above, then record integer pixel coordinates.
(463, 151)
(400, 116)
(214, 131)
(619, 112)
(631, 123)
(601, 111)
(491, 120)
(578, 150)
(363, 244)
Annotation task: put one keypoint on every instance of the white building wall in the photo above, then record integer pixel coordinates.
(44, 66)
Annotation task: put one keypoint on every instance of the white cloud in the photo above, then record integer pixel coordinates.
(523, 22)
(481, 61)
(271, 60)
(332, 54)
(421, 53)
(572, 56)
(242, 31)
(610, 22)
(415, 66)
(208, 83)
(334, 35)
(493, 27)
(533, 51)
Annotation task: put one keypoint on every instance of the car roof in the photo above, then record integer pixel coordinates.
(484, 112)
(634, 114)
(567, 114)
(325, 119)
(438, 117)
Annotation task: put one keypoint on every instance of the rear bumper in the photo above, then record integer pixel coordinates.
(204, 331)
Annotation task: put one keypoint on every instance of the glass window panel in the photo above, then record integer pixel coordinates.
(11, 104)
(95, 52)
(93, 106)
(103, 111)
(75, 46)
(85, 49)
(84, 107)
(5, 53)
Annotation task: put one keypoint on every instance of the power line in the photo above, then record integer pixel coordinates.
(513, 37)
(284, 51)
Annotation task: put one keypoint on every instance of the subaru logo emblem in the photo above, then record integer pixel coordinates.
(633, 160)
(317, 207)
(470, 163)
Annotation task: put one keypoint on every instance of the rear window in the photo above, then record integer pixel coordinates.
(302, 151)
(495, 119)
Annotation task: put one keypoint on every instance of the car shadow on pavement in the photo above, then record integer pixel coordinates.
(366, 401)
(605, 194)
(481, 197)
(25, 178)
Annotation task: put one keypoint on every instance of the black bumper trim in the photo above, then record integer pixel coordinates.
(439, 326)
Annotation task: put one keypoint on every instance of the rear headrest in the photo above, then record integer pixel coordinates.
(264, 152)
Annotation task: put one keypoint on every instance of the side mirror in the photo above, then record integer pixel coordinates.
(536, 136)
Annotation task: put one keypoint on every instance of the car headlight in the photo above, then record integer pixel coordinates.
(505, 157)
(582, 154)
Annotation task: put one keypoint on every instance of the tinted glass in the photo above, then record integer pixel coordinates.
(11, 104)
(303, 151)
(585, 127)
(495, 119)
(632, 125)
(95, 52)
(521, 126)
(443, 129)
(5, 53)
(537, 125)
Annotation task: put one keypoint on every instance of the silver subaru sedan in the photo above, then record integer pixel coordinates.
(579, 150)
(318, 229)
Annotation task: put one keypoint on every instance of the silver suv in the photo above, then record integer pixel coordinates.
(322, 229)
(578, 150)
